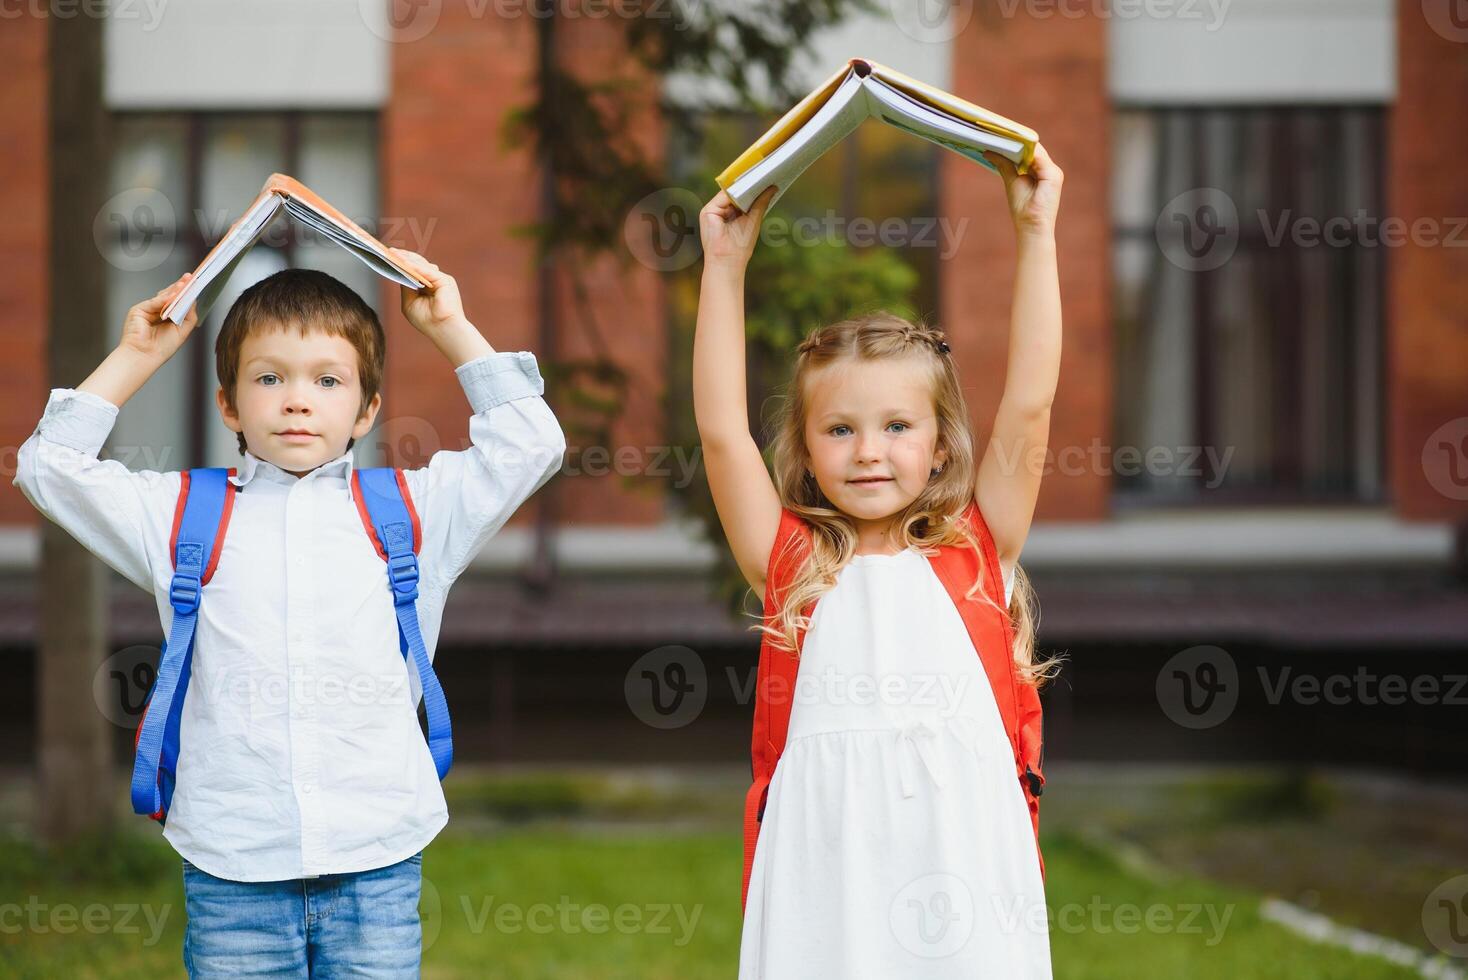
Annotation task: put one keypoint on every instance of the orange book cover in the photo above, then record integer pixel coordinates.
(218, 262)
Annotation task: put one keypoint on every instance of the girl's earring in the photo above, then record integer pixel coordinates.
(937, 470)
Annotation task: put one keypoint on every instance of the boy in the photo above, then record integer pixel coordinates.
(305, 789)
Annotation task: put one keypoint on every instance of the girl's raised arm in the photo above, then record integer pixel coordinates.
(1010, 471)
(743, 492)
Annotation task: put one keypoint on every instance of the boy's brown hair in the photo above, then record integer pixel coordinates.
(312, 301)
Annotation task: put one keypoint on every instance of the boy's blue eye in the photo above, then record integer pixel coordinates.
(336, 382)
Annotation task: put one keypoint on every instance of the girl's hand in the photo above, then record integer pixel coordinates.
(437, 305)
(729, 234)
(145, 331)
(1034, 197)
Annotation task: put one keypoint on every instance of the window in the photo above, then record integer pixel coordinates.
(179, 179)
(1248, 272)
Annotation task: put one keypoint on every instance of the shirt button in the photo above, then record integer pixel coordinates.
(307, 788)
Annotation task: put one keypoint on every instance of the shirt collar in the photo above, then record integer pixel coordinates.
(252, 467)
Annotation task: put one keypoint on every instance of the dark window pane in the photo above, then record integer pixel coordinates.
(1244, 335)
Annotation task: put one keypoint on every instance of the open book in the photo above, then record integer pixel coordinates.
(859, 90)
(300, 202)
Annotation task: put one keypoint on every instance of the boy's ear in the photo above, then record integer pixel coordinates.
(230, 417)
(368, 416)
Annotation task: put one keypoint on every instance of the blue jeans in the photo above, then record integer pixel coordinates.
(363, 924)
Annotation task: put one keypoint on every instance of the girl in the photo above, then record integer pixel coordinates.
(895, 838)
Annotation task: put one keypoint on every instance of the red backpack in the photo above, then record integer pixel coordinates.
(992, 635)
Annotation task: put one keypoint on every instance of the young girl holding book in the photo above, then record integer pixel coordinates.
(896, 835)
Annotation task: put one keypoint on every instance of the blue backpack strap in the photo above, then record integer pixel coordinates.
(384, 502)
(204, 502)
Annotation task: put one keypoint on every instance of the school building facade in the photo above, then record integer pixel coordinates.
(1263, 269)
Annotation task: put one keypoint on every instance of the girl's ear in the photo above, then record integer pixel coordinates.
(940, 456)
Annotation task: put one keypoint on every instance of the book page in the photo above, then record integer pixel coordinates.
(948, 104)
(368, 252)
(210, 276)
(784, 128)
(959, 135)
(843, 112)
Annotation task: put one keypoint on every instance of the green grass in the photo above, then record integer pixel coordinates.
(479, 890)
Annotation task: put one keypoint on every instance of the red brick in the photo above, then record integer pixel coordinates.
(24, 245)
(1049, 74)
(1427, 285)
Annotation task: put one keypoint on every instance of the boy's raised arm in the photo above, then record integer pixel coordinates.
(105, 506)
(744, 495)
(148, 341)
(517, 444)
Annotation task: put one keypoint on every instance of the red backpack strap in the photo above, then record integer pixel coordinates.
(993, 636)
(957, 566)
(775, 682)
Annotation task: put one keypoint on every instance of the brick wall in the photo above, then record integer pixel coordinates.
(1049, 74)
(444, 160)
(1427, 303)
(23, 248)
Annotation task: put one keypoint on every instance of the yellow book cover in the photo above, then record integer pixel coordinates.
(1019, 140)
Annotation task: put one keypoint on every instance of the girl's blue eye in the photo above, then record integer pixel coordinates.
(264, 376)
(903, 426)
(836, 430)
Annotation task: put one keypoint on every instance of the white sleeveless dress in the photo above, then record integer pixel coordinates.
(896, 841)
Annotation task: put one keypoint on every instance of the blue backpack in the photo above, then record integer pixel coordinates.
(200, 520)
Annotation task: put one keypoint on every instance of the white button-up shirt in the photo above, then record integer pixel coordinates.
(300, 750)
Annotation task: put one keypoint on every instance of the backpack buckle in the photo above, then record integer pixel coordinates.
(183, 593)
(1037, 785)
(402, 571)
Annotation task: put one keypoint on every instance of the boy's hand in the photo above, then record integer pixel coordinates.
(436, 306)
(148, 334)
(1034, 198)
(729, 234)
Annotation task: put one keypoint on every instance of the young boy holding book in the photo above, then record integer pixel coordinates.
(305, 791)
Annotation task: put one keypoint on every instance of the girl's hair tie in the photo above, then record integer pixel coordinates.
(943, 347)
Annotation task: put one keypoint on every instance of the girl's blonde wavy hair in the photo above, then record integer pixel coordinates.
(933, 519)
